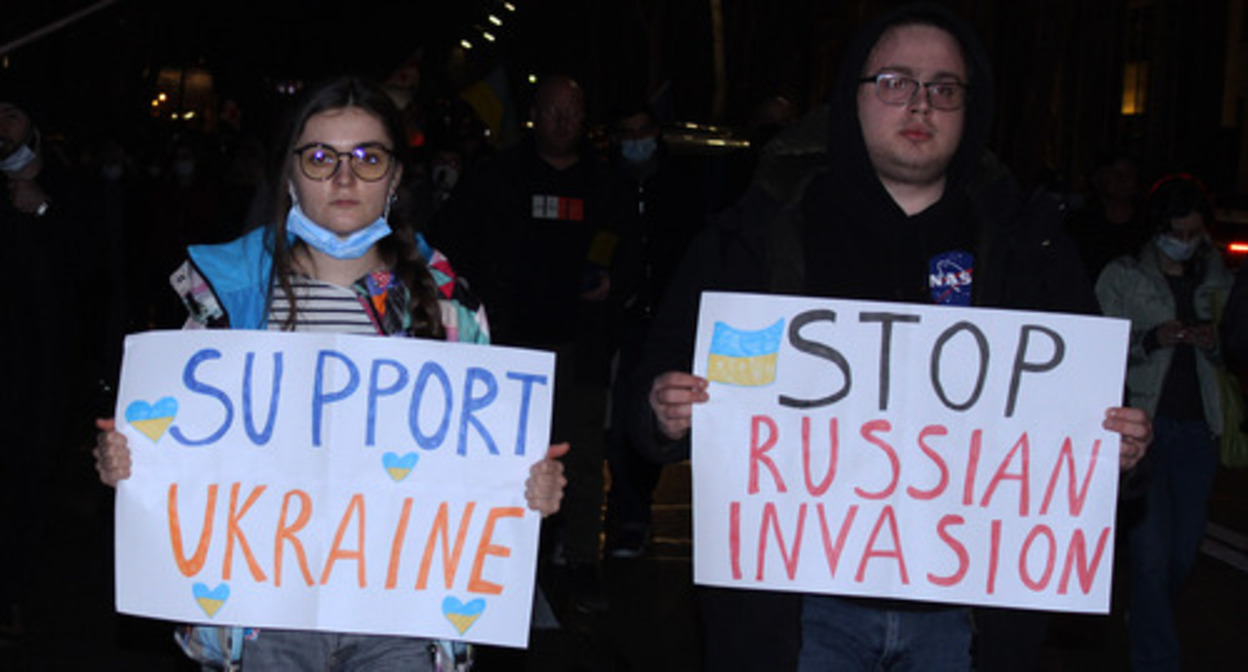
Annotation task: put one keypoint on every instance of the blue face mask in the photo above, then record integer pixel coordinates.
(639, 151)
(19, 159)
(1178, 250)
(353, 246)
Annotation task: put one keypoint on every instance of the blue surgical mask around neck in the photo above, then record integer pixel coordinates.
(351, 246)
(639, 151)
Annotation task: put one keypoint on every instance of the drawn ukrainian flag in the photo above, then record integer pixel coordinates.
(746, 358)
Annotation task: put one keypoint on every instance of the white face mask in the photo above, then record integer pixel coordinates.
(19, 159)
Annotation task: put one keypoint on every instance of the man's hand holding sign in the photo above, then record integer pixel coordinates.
(890, 450)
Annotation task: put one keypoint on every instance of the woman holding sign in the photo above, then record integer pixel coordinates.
(335, 259)
(1168, 290)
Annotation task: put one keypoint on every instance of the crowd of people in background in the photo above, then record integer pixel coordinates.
(572, 245)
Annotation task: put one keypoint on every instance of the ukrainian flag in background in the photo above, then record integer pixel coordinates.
(746, 358)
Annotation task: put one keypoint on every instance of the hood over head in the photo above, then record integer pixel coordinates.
(848, 151)
(857, 241)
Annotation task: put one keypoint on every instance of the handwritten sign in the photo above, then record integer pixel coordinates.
(328, 482)
(918, 452)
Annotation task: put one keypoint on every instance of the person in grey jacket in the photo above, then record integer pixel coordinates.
(1168, 290)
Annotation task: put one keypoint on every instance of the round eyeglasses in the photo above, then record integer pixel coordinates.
(370, 161)
(897, 89)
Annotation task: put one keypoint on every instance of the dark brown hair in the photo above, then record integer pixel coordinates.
(399, 248)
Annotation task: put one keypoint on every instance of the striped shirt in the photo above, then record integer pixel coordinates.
(322, 307)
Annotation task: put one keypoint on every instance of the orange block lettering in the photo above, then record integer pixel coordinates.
(396, 548)
(450, 562)
(286, 532)
(233, 531)
(475, 583)
(192, 566)
(356, 509)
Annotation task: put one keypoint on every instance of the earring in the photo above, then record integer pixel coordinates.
(389, 202)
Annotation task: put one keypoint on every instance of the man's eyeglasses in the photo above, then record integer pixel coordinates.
(897, 89)
(370, 162)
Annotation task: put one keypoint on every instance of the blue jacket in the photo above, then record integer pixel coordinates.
(239, 273)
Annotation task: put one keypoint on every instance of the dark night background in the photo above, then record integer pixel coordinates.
(1162, 80)
(1060, 63)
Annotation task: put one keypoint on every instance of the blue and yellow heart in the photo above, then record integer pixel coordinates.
(152, 419)
(399, 466)
(462, 615)
(211, 599)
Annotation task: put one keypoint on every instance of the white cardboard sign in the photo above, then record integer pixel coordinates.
(331, 482)
(926, 453)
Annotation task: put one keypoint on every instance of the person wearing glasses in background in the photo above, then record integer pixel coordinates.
(335, 258)
(867, 199)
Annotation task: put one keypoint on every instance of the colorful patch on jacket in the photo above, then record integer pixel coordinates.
(440, 268)
(950, 277)
(387, 296)
(377, 287)
(443, 275)
(202, 307)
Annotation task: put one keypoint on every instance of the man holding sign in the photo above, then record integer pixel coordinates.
(895, 200)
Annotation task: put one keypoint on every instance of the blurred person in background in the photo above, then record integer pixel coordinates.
(657, 200)
(46, 256)
(529, 229)
(1168, 289)
(1110, 222)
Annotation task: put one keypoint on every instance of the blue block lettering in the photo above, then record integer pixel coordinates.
(194, 385)
(319, 395)
(472, 404)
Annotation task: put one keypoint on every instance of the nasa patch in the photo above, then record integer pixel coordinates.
(950, 277)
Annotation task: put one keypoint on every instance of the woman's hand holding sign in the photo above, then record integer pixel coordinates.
(112, 454)
(672, 396)
(543, 491)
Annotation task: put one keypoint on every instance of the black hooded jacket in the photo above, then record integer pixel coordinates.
(816, 221)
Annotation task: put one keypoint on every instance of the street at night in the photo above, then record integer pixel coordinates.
(591, 170)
